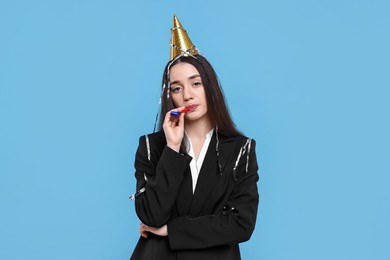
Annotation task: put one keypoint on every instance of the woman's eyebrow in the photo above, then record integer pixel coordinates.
(194, 76)
(190, 77)
(174, 82)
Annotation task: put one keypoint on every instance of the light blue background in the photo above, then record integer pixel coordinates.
(80, 82)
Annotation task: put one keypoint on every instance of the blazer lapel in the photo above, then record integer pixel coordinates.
(226, 153)
(209, 175)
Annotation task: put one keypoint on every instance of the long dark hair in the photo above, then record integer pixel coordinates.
(216, 104)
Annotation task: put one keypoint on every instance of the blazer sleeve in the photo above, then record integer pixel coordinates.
(159, 180)
(233, 224)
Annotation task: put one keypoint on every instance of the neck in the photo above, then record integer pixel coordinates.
(198, 129)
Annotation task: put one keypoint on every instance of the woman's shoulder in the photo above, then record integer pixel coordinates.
(238, 139)
(156, 138)
(158, 134)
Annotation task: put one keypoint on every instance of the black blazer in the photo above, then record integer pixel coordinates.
(206, 224)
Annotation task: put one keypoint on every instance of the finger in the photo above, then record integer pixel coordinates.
(168, 120)
(178, 109)
(144, 234)
(143, 227)
(167, 117)
(181, 120)
(142, 231)
(174, 119)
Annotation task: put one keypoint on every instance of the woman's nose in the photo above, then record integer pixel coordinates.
(187, 94)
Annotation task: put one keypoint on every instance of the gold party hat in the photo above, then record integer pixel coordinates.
(180, 42)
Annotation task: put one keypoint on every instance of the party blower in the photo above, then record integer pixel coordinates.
(177, 113)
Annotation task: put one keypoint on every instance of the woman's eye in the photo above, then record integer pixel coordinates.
(197, 84)
(176, 89)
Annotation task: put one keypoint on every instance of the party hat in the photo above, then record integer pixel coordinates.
(180, 42)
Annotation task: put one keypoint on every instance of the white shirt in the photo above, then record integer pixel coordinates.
(196, 165)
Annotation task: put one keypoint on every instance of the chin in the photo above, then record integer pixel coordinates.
(194, 117)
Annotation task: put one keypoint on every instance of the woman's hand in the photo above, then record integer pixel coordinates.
(144, 229)
(174, 129)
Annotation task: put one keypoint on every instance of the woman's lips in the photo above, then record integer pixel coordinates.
(192, 108)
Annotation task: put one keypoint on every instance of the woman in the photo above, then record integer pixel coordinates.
(196, 194)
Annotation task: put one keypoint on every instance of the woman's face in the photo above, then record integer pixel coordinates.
(187, 90)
